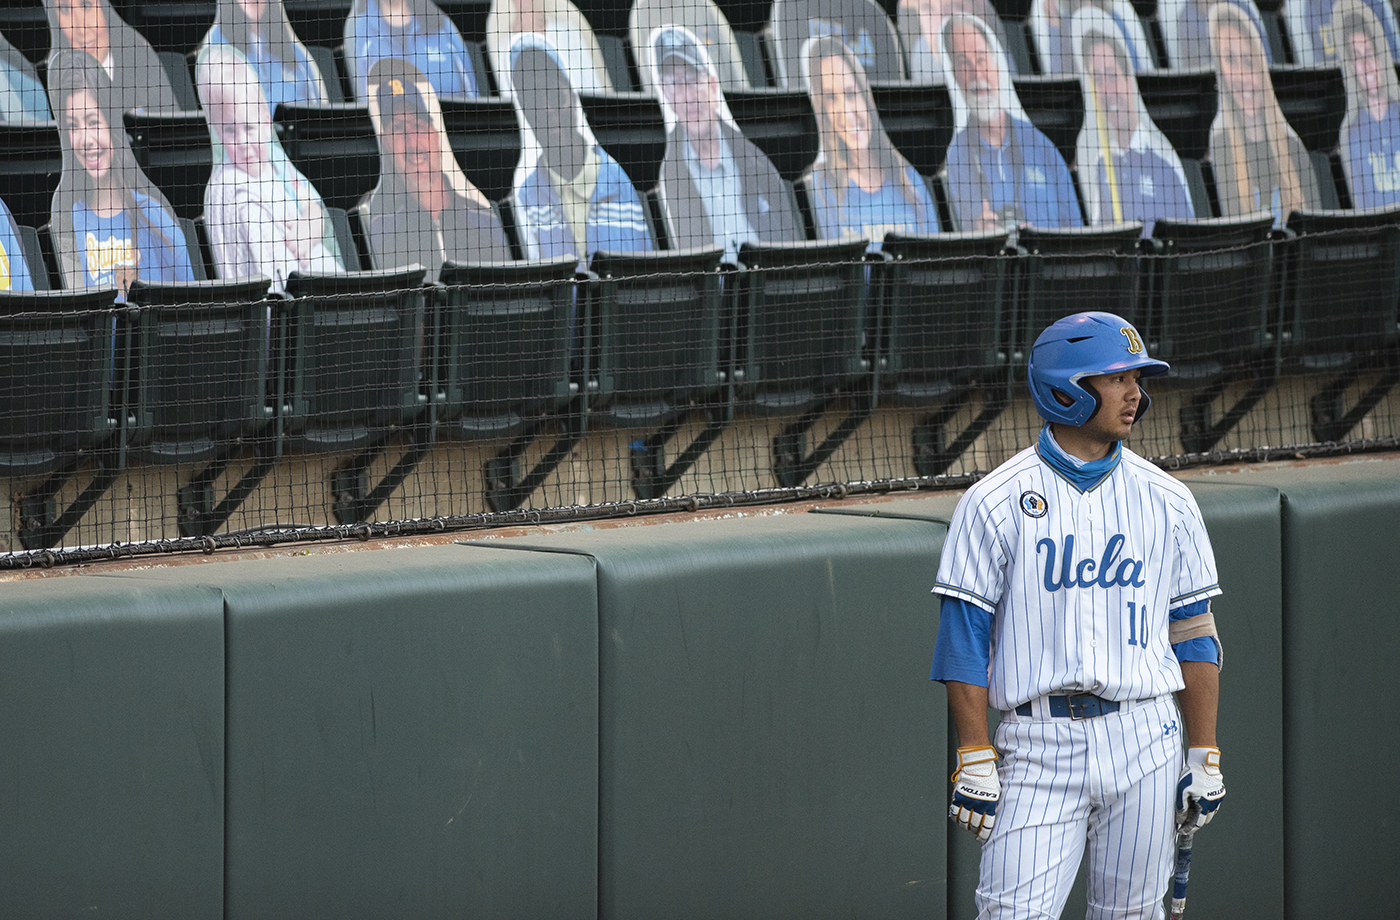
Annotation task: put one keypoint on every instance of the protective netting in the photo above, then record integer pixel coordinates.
(303, 270)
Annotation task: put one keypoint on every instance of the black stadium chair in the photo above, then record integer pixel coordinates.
(60, 404)
(1314, 100)
(485, 138)
(203, 389)
(1341, 309)
(1071, 269)
(951, 309)
(783, 125)
(801, 343)
(356, 352)
(658, 355)
(507, 334)
(1182, 104)
(333, 146)
(173, 149)
(919, 122)
(31, 162)
(1211, 316)
(629, 126)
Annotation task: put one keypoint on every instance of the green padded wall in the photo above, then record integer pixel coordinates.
(111, 750)
(412, 734)
(769, 747)
(1341, 578)
(1239, 860)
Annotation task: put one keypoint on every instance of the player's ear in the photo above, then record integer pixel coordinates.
(1063, 398)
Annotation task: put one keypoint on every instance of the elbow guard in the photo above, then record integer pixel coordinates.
(1201, 626)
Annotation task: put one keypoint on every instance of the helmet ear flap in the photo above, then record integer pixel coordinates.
(1144, 402)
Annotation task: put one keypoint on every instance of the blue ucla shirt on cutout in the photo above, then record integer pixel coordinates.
(105, 244)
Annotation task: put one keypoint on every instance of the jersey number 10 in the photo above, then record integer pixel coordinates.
(1133, 637)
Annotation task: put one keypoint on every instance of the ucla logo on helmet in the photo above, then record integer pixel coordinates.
(1033, 504)
(1134, 341)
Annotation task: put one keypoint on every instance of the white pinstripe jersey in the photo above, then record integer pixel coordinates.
(1079, 584)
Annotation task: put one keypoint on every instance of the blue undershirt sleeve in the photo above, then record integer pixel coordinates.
(1202, 648)
(964, 645)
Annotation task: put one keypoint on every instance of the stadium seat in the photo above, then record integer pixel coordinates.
(1182, 105)
(334, 146)
(173, 150)
(507, 335)
(170, 25)
(355, 347)
(200, 379)
(708, 24)
(951, 304)
(801, 343)
(782, 125)
(1314, 100)
(661, 331)
(318, 22)
(1210, 316)
(31, 162)
(485, 138)
(60, 404)
(863, 25)
(1341, 309)
(34, 257)
(1016, 28)
(1072, 269)
(919, 122)
(1055, 105)
(630, 128)
(25, 26)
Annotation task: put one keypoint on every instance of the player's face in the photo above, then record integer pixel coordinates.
(1114, 89)
(844, 101)
(1118, 401)
(413, 143)
(244, 129)
(1241, 70)
(975, 69)
(694, 97)
(1367, 68)
(85, 24)
(89, 134)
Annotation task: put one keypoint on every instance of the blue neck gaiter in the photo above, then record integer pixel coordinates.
(1084, 475)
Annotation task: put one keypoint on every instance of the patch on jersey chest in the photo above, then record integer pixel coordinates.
(1033, 504)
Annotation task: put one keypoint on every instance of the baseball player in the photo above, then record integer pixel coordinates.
(1075, 583)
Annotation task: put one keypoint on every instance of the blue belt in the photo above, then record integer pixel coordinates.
(1077, 706)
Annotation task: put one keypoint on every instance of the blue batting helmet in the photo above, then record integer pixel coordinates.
(1079, 346)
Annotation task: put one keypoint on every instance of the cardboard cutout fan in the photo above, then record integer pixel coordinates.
(704, 21)
(920, 21)
(110, 225)
(861, 25)
(861, 186)
(1260, 163)
(1128, 170)
(263, 217)
(259, 31)
(423, 211)
(716, 186)
(1051, 25)
(1316, 34)
(1186, 31)
(416, 31)
(1371, 130)
(1002, 171)
(92, 27)
(571, 197)
(556, 23)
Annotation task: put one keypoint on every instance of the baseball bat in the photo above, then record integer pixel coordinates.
(1184, 839)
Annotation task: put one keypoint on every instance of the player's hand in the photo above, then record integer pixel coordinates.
(976, 791)
(1201, 788)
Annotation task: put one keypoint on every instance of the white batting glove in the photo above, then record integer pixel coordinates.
(976, 791)
(1201, 788)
